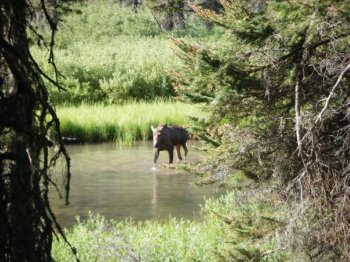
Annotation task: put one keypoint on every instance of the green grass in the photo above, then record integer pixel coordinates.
(234, 228)
(122, 123)
(99, 240)
(122, 69)
(108, 53)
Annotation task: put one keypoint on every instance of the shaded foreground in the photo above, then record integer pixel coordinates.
(221, 236)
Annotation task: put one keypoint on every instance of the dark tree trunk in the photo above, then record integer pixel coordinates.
(25, 215)
(24, 224)
(168, 24)
(179, 14)
(170, 14)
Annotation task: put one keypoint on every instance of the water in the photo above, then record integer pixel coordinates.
(123, 182)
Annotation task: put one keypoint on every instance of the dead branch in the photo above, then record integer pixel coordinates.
(332, 93)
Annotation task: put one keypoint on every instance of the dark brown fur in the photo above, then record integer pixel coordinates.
(166, 138)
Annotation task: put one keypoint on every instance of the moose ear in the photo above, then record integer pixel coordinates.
(153, 128)
(166, 125)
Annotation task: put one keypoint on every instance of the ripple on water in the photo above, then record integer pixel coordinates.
(123, 182)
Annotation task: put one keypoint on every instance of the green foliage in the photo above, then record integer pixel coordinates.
(266, 101)
(108, 53)
(124, 124)
(252, 219)
(220, 236)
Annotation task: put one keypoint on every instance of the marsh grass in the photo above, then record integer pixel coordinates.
(123, 124)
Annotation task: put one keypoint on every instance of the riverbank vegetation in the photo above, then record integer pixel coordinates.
(111, 54)
(126, 61)
(124, 124)
(236, 225)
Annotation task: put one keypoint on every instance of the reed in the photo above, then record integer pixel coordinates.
(123, 124)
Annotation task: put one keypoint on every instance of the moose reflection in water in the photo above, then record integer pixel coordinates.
(119, 182)
(166, 138)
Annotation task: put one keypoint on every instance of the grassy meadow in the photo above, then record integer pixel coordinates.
(112, 60)
(122, 123)
(110, 54)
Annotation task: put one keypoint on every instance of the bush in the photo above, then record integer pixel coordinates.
(234, 228)
(108, 53)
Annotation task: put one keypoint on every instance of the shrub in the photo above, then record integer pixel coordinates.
(108, 53)
(234, 227)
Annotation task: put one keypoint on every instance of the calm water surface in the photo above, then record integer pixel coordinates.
(122, 182)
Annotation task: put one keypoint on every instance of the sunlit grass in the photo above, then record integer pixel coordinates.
(226, 233)
(108, 53)
(122, 123)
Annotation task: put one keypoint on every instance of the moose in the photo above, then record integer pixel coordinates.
(166, 137)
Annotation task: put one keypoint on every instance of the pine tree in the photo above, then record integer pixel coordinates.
(279, 102)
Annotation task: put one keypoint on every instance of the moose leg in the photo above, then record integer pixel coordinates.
(186, 150)
(171, 155)
(156, 155)
(178, 153)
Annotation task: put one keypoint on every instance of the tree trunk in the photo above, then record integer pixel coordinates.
(26, 232)
(169, 21)
(179, 16)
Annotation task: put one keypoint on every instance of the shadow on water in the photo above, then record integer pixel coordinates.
(122, 182)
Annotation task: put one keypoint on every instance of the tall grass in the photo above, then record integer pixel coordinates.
(122, 123)
(124, 68)
(108, 53)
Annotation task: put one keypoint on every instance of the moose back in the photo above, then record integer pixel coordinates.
(167, 138)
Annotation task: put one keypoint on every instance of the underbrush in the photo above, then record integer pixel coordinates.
(108, 53)
(235, 227)
(122, 123)
(123, 68)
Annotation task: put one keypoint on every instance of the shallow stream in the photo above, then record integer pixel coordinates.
(122, 182)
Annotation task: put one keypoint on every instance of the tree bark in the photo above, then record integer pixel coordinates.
(26, 231)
